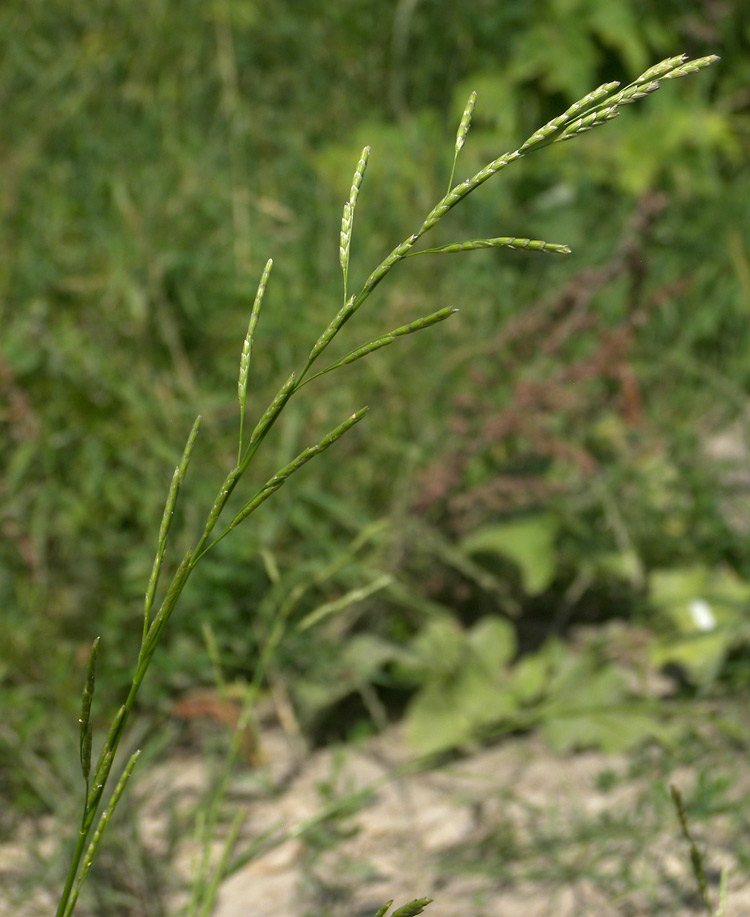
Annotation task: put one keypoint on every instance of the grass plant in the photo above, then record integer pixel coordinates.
(592, 111)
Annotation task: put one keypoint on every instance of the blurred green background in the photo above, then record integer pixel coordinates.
(551, 490)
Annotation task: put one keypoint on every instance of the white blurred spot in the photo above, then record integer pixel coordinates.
(702, 615)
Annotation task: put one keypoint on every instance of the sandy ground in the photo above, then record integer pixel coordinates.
(428, 834)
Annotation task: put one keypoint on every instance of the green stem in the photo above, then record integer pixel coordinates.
(112, 742)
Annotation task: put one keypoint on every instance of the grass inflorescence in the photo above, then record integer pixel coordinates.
(589, 112)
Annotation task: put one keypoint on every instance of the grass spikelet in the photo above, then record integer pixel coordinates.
(592, 98)
(247, 348)
(463, 127)
(347, 219)
(440, 316)
(166, 521)
(345, 237)
(384, 909)
(463, 130)
(281, 476)
(536, 245)
(653, 73)
(412, 908)
(587, 122)
(440, 209)
(691, 66)
(633, 93)
(85, 721)
(551, 127)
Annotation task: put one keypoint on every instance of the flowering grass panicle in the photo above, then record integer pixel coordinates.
(593, 110)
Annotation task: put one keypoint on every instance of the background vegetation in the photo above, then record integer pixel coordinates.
(549, 491)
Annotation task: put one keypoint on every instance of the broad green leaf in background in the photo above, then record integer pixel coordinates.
(493, 642)
(705, 612)
(529, 543)
(436, 652)
(452, 707)
(612, 731)
(435, 722)
(591, 708)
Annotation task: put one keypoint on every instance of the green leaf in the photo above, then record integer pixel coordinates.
(434, 722)
(460, 702)
(365, 654)
(529, 543)
(590, 707)
(613, 731)
(483, 701)
(493, 642)
(706, 610)
(692, 597)
(529, 678)
(699, 655)
(437, 650)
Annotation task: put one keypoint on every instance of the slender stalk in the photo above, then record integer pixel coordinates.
(591, 111)
(166, 521)
(247, 350)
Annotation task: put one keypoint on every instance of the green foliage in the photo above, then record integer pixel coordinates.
(463, 683)
(528, 543)
(703, 615)
(490, 637)
(140, 200)
(473, 691)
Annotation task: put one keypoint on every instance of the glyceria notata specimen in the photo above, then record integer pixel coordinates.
(593, 110)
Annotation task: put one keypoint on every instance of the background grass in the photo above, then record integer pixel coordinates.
(155, 156)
